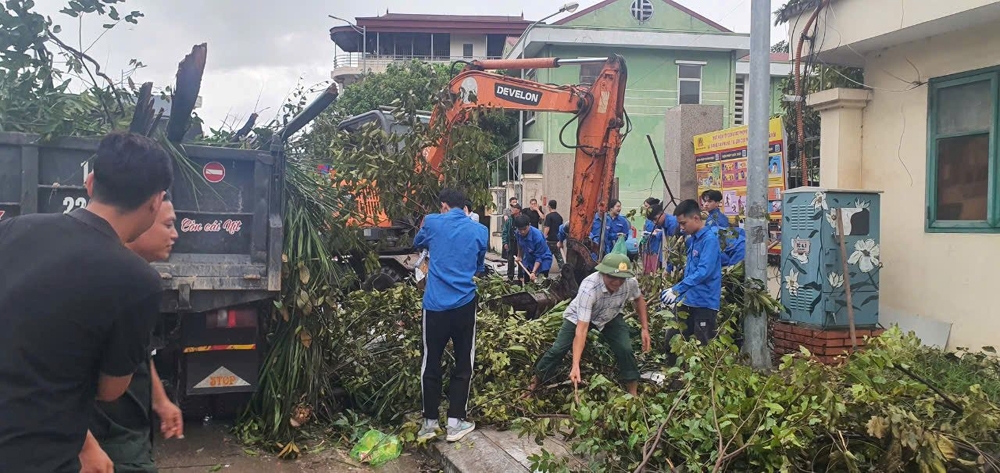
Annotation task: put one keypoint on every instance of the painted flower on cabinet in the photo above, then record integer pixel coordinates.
(866, 255)
(836, 280)
(792, 282)
(799, 256)
(831, 218)
(819, 201)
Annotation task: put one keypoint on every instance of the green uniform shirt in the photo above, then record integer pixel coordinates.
(124, 427)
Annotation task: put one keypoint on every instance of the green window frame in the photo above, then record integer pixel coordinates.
(991, 224)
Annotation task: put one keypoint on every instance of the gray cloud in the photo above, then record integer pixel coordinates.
(259, 50)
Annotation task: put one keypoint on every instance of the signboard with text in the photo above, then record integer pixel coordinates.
(721, 164)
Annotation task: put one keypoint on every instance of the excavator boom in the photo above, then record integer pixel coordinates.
(599, 109)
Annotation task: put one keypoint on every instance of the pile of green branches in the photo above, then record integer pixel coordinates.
(378, 351)
(877, 412)
(872, 413)
(316, 319)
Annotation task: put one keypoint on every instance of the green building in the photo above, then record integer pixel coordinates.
(674, 56)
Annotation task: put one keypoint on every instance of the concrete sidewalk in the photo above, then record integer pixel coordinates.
(488, 450)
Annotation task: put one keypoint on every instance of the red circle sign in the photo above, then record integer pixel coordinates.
(214, 172)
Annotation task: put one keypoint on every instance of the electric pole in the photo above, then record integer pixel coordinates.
(755, 342)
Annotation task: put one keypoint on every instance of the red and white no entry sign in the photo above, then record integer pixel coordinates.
(214, 172)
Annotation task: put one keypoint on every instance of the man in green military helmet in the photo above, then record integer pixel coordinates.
(598, 305)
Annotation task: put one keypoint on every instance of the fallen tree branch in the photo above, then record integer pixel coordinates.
(647, 454)
(80, 55)
(950, 403)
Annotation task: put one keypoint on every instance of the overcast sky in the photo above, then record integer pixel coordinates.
(259, 50)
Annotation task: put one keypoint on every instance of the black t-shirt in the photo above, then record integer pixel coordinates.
(553, 220)
(534, 216)
(74, 303)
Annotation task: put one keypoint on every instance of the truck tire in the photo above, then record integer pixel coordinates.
(386, 277)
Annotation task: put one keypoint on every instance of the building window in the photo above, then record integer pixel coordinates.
(467, 50)
(589, 73)
(962, 155)
(739, 107)
(642, 10)
(689, 83)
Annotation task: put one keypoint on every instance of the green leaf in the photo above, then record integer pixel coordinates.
(774, 407)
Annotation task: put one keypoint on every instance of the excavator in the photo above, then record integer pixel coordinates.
(603, 124)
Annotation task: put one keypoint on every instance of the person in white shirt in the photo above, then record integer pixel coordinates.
(598, 306)
(468, 211)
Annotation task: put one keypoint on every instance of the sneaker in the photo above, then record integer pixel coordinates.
(427, 432)
(457, 433)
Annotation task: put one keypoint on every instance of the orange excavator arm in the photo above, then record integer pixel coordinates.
(599, 108)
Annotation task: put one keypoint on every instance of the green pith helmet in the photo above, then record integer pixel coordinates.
(616, 265)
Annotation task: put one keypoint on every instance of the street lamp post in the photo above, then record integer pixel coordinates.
(363, 31)
(567, 8)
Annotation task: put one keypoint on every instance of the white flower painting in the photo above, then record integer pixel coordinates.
(836, 280)
(792, 282)
(819, 202)
(800, 257)
(866, 255)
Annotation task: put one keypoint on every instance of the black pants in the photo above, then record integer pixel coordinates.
(459, 326)
(701, 324)
(556, 252)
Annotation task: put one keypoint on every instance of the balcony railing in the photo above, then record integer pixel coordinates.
(378, 63)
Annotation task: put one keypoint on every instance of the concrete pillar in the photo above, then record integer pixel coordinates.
(681, 124)
(841, 113)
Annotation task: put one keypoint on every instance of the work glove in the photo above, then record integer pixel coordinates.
(668, 297)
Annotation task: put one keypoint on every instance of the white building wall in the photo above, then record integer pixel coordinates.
(946, 277)
(478, 45)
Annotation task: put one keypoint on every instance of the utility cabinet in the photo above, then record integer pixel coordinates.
(813, 282)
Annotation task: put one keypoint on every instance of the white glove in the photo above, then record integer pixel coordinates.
(668, 297)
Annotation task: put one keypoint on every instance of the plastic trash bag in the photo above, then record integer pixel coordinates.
(377, 448)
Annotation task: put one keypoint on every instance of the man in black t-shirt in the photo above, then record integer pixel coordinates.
(534, 213)
(123, 427)
(551, 231)
(76, 309)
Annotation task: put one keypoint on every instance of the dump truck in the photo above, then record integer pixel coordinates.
(226, 263)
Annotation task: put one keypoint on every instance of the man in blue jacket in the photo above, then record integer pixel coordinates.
(736, 245)
(700, 291)
(659, 225)
(532, 249)
(457, 248)
(711, 200)
(615, 223)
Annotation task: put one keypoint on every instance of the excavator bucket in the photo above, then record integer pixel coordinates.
(534, 304)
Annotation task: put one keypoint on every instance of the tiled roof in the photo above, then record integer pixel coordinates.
(445, 18)
(672, 3)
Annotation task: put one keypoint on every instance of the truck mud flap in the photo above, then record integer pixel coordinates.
(220, 370)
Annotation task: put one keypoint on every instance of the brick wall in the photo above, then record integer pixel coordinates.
(825, 345)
